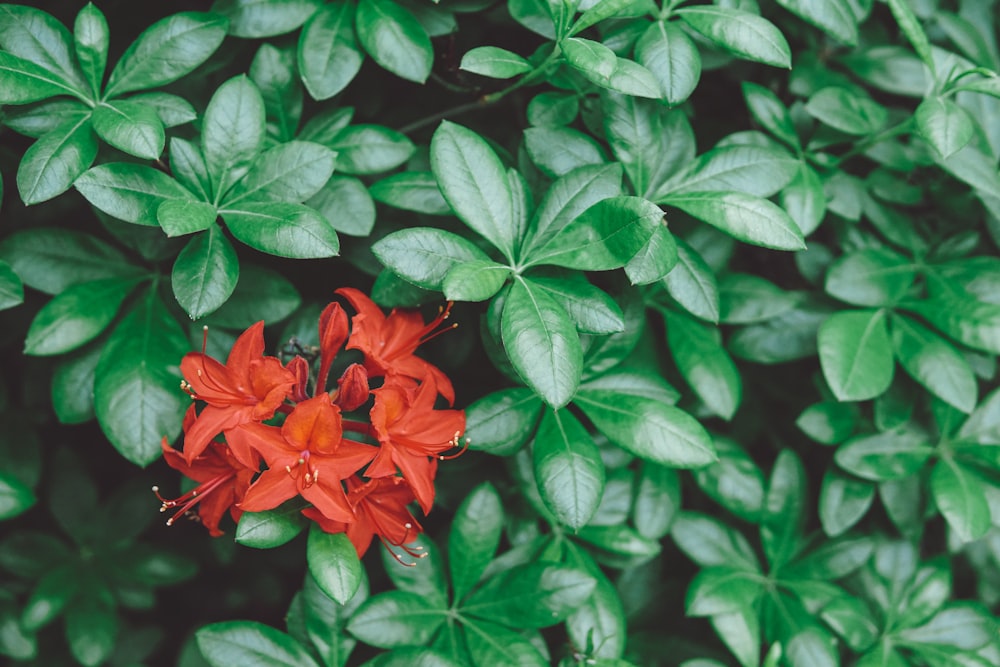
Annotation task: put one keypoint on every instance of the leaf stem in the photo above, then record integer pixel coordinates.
(485, 100)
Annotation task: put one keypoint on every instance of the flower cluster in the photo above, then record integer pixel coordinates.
(285, 431)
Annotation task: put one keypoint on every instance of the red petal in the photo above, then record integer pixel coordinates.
(315, 425)
(353, 389)
(209, 424)
(327, 496)
(265, 440)
(332, 334)
(272, 488)
(249, 346)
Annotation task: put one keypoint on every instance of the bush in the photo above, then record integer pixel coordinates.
(719, 389)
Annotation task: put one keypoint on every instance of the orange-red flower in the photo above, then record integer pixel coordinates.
(249, 388)
(412, 434)
(380, 507)
(388, 343)
(306, 456)
(224, 481)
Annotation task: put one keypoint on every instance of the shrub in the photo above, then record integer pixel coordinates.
(720, 389)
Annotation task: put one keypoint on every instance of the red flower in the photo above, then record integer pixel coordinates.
(380, 507)
(249, 388)
(412, 435)
(388, 343)
(306, 456)
(224, 481)
(332, 334)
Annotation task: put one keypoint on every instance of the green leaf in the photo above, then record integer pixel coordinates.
(934, 363)
(741, 632)
(813, 646)
(959, 627)
(961, 497)
(671, 56)
(50, 259)
(328, 54)
(501, 422)
(474, 183)
(91, 37)
(856, 354)
(753, 170)
(559, 150)
(784, 509)
(734, 481)
(711, 543)
(870, 277)
(770, 112)
(745, 298)
(745, 217)
(395, 39)
(178, 217)
(290, 172)
(269, 529)
(720, 590)
(333, 563)
(568, 468)
(832, 559)
(491, 644)
(477, 280)
(36, 36)
(22, 81)
(591, 59)
(884, 456)
(567, 198)
(944, 125)
(651, 142)
(790, 335)
(135, 387)
(847, 110)
(843, 500)
(703, 361)
(553, 109)
(129, 192)
(370, 149)
(605, 236)
(232, 133)
(494, 62)
(205, 273)
(657, 500)
(424, 255)
(741, 33)
(474, 538)
(55, 161)
(166, 51)
(693, 284)
(345, 203)
(851, 618)
(541, 342)
(260, 294)
(282, 229)
(804, 199)
(76, 316)
(828, 422)
(425, 576)
(92, 628)
(910, 25)
(655, 260)
(11, 287)
(253, 18)
(130, 127)
(34, 120)
(590, 308)
(170, 109)
(648, 428)
(968, 321)
(273, 72)
(15, 497)
(535, 595)
(834, 17)
(249, 643)
(413, 191)
(396, 618)
(598, 11)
